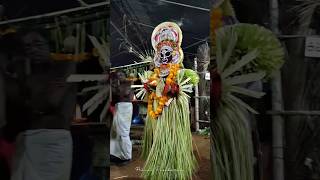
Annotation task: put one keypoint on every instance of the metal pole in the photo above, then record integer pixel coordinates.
(196, 91)
(204, 121)
(277, 105)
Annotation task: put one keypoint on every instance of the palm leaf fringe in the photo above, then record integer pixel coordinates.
(171, 155)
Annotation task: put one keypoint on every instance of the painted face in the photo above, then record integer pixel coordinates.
(166, 55)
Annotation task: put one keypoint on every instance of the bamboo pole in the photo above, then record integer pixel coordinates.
(277, 105)
(202, 121)
(196, 91)
(277, 129)
(207, 97)
(131, 65)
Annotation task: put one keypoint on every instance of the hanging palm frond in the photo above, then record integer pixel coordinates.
(240, 39)
(144, 55)
(102, 88)
(103, 51)
(203, 57)
(238, 48)
(203, 61)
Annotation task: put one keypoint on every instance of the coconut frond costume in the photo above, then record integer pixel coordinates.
(167, 142)
(244, 53)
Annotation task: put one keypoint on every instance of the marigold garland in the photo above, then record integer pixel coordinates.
(215, 23)
(153, 81)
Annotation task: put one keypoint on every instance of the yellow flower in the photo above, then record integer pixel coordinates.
(164, 98)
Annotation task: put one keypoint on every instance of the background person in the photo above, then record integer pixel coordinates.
(39, 108)
(120, 143)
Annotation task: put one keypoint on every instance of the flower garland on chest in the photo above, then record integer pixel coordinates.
(170, 89)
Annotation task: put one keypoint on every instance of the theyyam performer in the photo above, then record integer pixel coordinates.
(167, 141)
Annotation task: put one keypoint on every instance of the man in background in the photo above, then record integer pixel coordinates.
(120, 143)
(39, 107)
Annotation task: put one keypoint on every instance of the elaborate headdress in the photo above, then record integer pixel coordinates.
(166, 41)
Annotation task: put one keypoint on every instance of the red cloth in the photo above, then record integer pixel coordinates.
(6, 151)
(112, 109)
(166, 89)
(175, 89)
(145, 85)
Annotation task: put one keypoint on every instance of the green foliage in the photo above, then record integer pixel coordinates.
(244, 53)
(205, 131)
(167, 141)
(147, 137)
(227, 8)
(171, 155)
(194, 77)
(232, 149)
(240, 39)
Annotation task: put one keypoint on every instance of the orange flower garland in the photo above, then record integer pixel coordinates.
(170, 80)
(216, 22)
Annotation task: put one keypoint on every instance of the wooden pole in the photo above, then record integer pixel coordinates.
(132, 65)
(196, 99)
(277, 105)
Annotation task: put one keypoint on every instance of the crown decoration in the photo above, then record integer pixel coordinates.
(166, 41)
(167, 31)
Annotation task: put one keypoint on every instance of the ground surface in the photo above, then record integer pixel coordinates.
(130, 171)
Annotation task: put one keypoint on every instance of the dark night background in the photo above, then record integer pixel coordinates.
(20, 8)
(147, 14)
